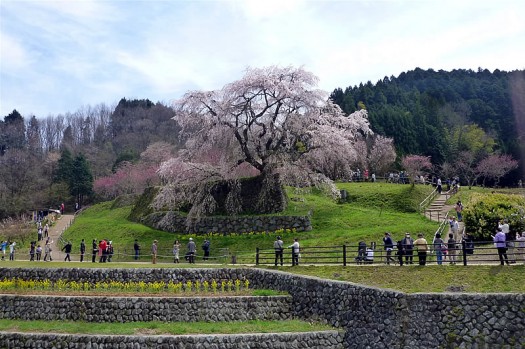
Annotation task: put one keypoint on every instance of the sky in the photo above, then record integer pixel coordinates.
(59, 56)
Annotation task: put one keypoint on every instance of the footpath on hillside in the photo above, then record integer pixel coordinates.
(439, 210)
(55, 232)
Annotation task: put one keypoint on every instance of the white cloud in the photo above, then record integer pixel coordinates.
(13, 56)
(59, 55)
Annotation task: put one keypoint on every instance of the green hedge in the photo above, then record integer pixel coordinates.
(484, 211)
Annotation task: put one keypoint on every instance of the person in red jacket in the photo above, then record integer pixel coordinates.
(102, 251)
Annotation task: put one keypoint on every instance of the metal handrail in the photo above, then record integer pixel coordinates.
(423, 204)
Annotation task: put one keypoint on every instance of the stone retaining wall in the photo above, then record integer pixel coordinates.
(311, 340)
(171, 222)
(118, 309)
(371, 317)
(378, 318)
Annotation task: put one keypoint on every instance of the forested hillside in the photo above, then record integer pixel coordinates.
(45, 161)
(441, 114)
(457, 118)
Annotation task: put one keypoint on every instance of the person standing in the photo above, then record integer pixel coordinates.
(509, 239)
(400, 252)
(454, 227)
(408, 245)
(102, 250)
(439, 246)
(422, 248)
(4, 248)
(459, 210)
(439, 187)
(46, 230)
(388, 246)
(110, 251)
(499, 243)
(32, 251)
(82, 250)
(154, 249)
(278, 246)
(67, 249)
(47, 251)
(206, 249)
(12, 251)
(95, 251)
(39, 234)
(176, 250)
(452, 248)
(295, 252)
(192, 248)
(38, 253)
(136, 248)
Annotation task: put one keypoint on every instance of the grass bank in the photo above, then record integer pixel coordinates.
(372, 209)
(160, 328)
(430, 278)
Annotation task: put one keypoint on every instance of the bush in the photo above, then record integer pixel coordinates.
(484, 211)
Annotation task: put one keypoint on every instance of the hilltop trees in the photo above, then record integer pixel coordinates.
(415, 165)
(496, 166)
(76, 173)
(443, 114)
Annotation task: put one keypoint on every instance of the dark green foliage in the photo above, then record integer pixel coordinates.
(124, 200)
(409, 108)
(12, 132)
(64, 170)
(125, 156)
(81, 184)
(484, 211)
(142, 207)
(76, 173)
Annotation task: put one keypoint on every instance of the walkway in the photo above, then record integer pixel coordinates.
(55, 231)
(439, 210)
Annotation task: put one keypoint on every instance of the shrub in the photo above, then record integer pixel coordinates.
(484, 211)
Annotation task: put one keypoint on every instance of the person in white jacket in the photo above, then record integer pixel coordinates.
(295, 252)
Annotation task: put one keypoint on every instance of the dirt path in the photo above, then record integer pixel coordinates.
(439, 210)
(56, 231)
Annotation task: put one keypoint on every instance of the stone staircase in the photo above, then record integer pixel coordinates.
(438, 210)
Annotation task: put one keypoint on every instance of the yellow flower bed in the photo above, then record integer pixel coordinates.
(128, 286)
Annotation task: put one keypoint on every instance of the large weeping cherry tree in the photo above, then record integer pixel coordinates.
(272, 120)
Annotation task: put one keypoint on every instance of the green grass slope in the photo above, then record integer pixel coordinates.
(373, 209)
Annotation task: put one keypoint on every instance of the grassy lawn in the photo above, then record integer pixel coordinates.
(160, 328)
(412, 278)
(373, 209)
(430, 278)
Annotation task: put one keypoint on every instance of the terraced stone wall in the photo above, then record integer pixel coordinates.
(310, 340)
(370, 317)
(171, 222)
(128, 309)
(377, 318)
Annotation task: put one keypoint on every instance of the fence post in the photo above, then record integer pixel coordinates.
(464, 245)
(257, 256)
(344, 255)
